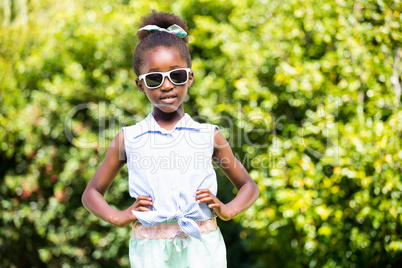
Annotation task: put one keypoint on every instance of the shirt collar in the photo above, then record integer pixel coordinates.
(186, 122)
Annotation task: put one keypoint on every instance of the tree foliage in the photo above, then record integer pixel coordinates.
(308, 93)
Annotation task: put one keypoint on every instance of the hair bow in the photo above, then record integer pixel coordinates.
(174, 29)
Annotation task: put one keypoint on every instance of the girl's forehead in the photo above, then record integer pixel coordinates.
(161, 58)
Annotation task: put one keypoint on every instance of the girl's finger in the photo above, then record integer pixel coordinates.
(203, 191)
(142, 197)
(214, 205)
(199, 196)
(205, 200)
(145, 203)
(143, 209)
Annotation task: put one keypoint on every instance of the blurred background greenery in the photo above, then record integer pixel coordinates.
(307, 92)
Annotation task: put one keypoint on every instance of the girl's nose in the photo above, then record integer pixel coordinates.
(166, 85)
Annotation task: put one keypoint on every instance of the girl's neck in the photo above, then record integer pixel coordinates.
(167, 120)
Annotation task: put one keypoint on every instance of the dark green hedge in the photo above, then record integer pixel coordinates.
(308, 93)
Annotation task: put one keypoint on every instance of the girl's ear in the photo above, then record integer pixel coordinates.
(191, 79)
(139, 85)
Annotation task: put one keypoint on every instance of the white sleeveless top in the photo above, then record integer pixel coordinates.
(170, 166)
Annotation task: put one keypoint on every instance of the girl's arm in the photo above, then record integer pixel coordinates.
(247, 189)
(93, 199)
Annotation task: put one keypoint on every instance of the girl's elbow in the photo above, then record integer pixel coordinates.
(84, 198)
(255, 190)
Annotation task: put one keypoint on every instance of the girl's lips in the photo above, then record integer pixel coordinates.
(168, 99)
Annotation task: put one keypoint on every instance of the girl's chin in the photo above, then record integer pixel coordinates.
(167, 108)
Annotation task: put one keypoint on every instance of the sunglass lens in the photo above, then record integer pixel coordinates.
(179, 76)
(154, 80)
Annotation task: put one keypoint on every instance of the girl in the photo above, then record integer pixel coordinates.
(168, 156)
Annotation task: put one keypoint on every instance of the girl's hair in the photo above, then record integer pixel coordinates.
(150, 40)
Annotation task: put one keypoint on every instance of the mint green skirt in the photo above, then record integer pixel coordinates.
(168, 253)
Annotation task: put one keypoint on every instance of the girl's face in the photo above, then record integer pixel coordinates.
(167, 98)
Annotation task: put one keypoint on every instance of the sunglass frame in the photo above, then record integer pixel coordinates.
(164, 75)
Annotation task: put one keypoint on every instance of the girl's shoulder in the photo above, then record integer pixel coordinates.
(204, 127)
(149, 125)
(135, 130)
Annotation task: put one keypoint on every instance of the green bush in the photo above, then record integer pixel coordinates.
(308, 94)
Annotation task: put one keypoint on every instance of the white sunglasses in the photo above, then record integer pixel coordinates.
(155, 79)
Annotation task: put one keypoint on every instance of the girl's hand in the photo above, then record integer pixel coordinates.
(143, 203)
(125, 217)
(221, 210)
